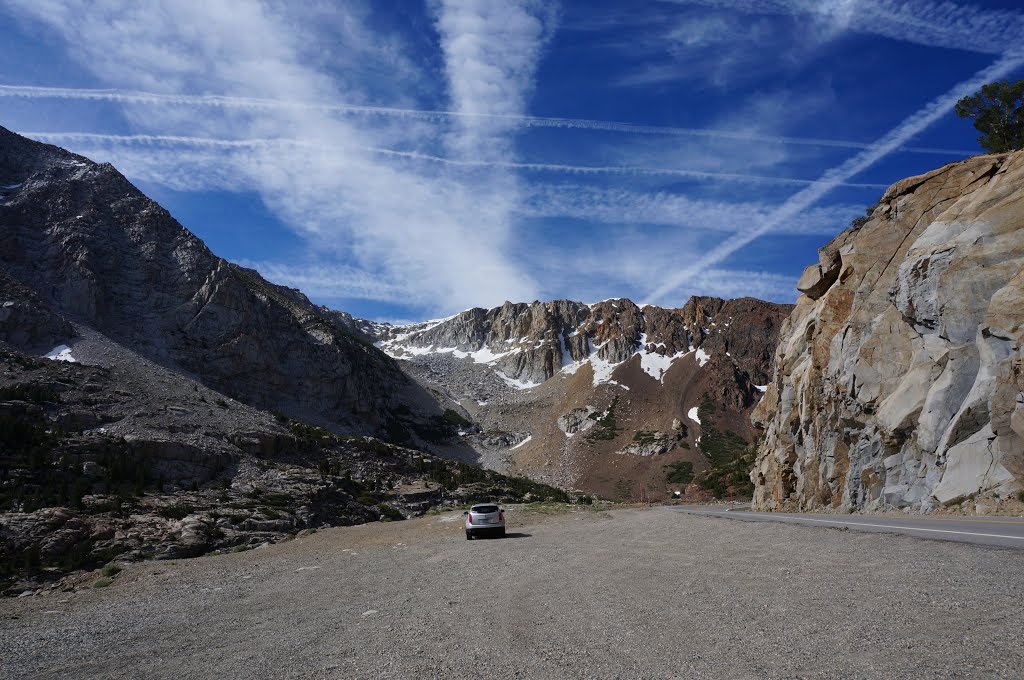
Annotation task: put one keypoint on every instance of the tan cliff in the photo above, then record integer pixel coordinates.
(898, 377)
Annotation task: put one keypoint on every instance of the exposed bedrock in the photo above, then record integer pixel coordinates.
(898, 378)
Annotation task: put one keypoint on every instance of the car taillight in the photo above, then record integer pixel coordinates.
(469, 518)
(501, 516)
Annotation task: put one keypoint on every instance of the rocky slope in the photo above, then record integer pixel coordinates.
(899, 380)
(137, 376)
(598, 397)
(128, 461)
(99, 252)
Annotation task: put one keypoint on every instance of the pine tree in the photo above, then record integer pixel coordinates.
(998, 113)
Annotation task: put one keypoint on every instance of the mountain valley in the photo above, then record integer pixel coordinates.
(157, 401)
(599, 398)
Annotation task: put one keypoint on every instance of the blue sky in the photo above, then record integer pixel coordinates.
(407, 159)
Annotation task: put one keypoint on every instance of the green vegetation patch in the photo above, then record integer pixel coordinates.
(721, 447)
(455, 418)
(645, 437)
(730, 478)
(178, 511)
(29, 454)
(605, 428)
(110, 570)
(997, 110)
(453, 474)
(390, 513)
(680, 473)
(731, 456)
(32, 392)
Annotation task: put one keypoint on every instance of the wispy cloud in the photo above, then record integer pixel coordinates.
(627, 261)
(432, 201)
(722, 43)
(717, 48)
(332, 281)
(933, 24)
(491, 51)
(504, 121)
(732, 283)
(624, 207)
(212, 164)
(802, 200)
(350, 203)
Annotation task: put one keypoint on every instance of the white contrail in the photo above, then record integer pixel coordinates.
(608, 170)
(414, 155)
(164, 140)
(135, 97)
(934, 110)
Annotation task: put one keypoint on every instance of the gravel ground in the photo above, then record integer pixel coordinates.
(628, 594)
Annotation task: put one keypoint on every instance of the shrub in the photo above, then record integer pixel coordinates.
(179, 511)
(37, 394)
(680, 473)
(455, 418)
(390, 513)
(605, 427)
(110, 570)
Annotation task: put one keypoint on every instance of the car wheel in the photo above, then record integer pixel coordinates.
(501, 532)
(469, 536)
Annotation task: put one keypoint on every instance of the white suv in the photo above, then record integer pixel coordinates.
(484, 518)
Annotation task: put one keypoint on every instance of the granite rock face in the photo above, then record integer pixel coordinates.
(26, 322)
(899, 379)
(94, 249)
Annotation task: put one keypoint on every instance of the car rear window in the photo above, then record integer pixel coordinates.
(485, 509)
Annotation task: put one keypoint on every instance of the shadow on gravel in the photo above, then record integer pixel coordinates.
(514, 534)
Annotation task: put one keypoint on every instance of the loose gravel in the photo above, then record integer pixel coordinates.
(576, 594)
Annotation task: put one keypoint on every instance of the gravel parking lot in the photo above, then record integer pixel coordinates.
(626, 594)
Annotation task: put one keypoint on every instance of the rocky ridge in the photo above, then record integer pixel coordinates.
(528, 343)
(594, 397)
(899, 380)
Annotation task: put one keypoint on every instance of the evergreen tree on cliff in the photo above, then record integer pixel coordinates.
(998, 113)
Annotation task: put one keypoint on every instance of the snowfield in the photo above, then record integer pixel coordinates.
(61, 353)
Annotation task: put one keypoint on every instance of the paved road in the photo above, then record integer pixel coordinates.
(1004, 532)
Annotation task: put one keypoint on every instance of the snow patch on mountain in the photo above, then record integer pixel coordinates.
(61, 353)
(602, 369)
(517, 384)
(522, 443)
(655, 364)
